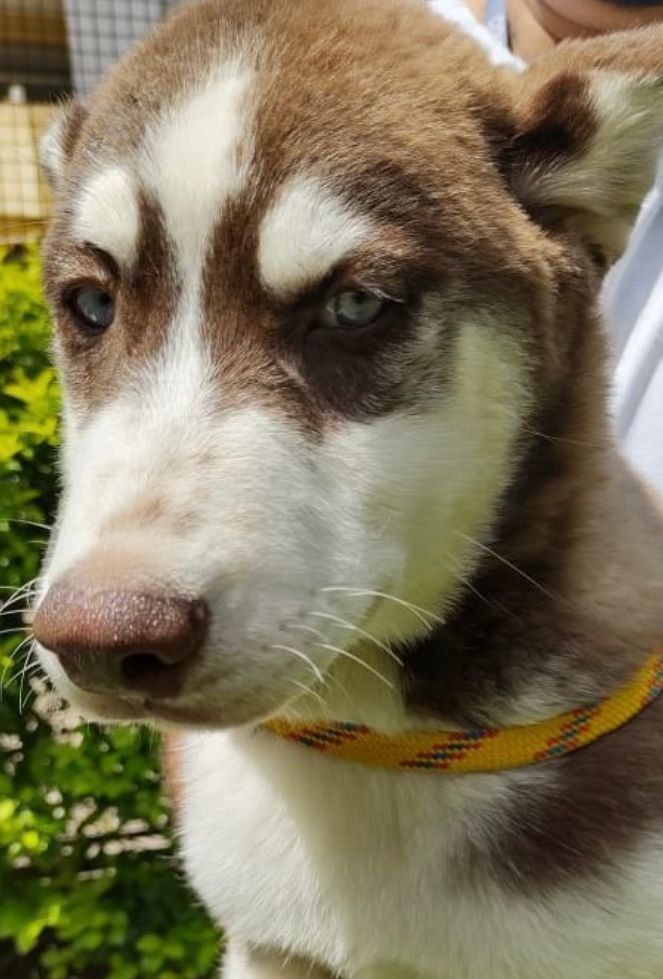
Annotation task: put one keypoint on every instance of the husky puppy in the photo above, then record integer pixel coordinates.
(325, 287)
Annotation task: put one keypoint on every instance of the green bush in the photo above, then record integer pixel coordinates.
(88, 884)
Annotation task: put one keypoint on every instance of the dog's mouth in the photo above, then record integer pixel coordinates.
(133, 649)
(119, 710)
(130, 708)
(212, 691)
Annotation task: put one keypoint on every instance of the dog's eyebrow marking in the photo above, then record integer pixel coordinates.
(307, 231)
(197, 157)
(107, 215)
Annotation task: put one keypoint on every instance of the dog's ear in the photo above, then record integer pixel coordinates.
(588, 134)
(59, 141)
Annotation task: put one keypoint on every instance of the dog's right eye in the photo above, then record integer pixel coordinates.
(92, 307)
(354, 308)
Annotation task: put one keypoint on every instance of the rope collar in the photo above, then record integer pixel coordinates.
(481, 750)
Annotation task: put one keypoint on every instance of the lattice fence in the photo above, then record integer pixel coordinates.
(50, 49)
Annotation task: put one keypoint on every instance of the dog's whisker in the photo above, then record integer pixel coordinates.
(30, 695)
(16, 653)
(507, 563)
(14, 632)
(312, 631)
(306, 659)
(29, 670)
(454, 567)
(423, 614)
(23, 591)
(3, 677)
(26, 584)
(8, 607)
(358, 660)
(27, 523)
(329, 678)
(361, 632)
(309, 692)
(17, 611)
(489, 602)
(560, 439)
(325, 644)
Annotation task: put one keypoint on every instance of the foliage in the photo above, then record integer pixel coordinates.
(88, 889)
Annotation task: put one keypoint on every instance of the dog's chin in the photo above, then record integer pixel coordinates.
(181, 713)
(209, 706)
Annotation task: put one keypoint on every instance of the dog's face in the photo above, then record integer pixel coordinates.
(308, 274)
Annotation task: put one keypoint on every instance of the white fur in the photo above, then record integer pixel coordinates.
(107, 215)
(305, 233)
(52, 152)
(197, 158)
(240, 964)
(354, 868)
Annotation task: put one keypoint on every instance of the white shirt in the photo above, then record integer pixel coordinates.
(633, 299)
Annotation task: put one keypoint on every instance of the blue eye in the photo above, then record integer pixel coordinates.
(354, 308)
(93, 308)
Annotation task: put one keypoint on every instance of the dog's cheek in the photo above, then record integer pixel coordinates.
(424, 483)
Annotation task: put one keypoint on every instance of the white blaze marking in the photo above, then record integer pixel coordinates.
(193, 162)
(195, 159)
(107, 215)
(306, 232)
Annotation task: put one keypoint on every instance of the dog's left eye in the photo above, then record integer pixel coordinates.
(354, 308)
(93, 308)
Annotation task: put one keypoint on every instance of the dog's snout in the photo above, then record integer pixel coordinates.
(110, 639)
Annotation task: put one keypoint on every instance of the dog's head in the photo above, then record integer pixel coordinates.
(314, 266)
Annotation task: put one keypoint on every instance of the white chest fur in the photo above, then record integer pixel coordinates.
(350, 867)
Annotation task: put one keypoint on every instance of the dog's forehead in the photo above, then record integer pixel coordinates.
(281, 114)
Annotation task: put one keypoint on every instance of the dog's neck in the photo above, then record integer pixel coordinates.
(565, 606)
(566, 600)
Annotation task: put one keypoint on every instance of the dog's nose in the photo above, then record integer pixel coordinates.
(113, 639)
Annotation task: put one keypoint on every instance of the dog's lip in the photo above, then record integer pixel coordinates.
(123, 709)
(111, 710)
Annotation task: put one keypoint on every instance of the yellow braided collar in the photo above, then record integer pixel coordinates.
(481, 750)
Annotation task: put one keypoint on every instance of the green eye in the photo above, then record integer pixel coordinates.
(93, 308)
(354, 308)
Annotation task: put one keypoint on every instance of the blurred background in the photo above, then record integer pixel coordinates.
(90, 887)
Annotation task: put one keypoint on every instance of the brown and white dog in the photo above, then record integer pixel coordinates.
(337, 446)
